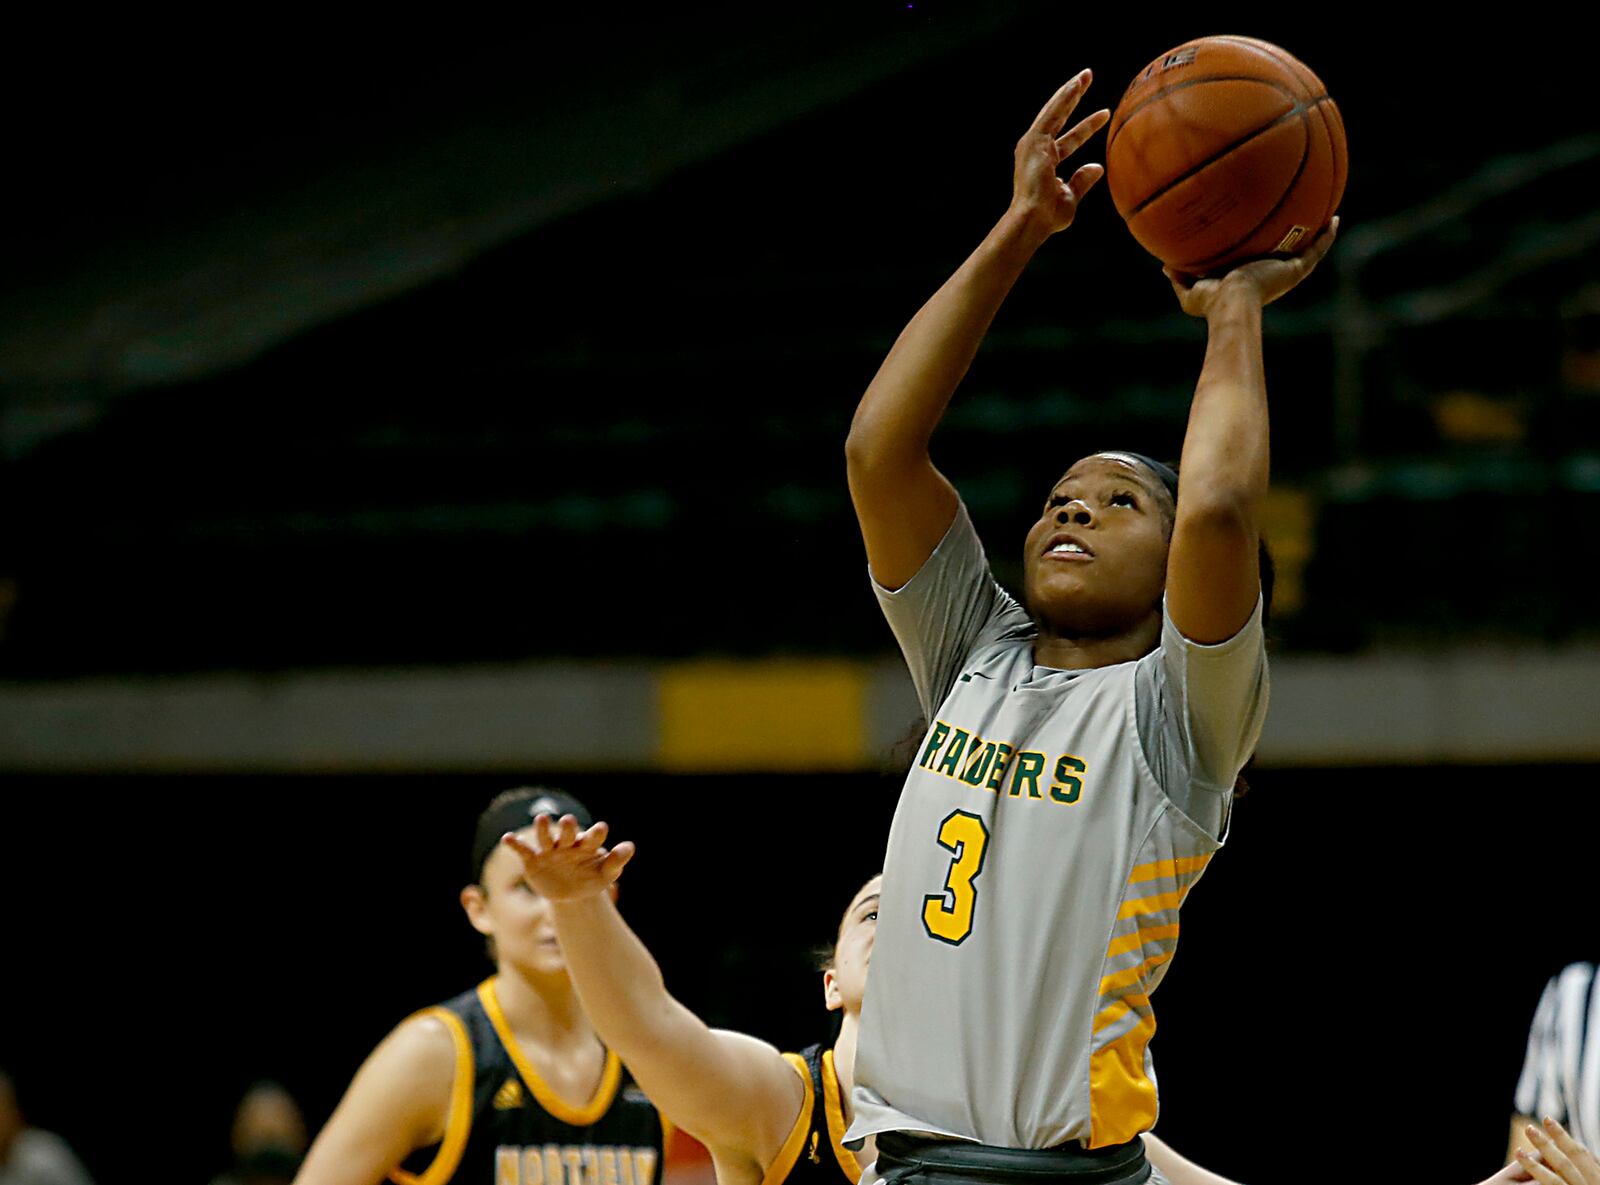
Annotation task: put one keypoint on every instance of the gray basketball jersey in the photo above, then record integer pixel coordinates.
(1048, 831)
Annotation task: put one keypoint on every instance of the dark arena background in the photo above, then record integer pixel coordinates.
(389, 416)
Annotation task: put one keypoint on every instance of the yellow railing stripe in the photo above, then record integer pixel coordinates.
(732, 717)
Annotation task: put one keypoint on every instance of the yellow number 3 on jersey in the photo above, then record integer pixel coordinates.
(947, 916)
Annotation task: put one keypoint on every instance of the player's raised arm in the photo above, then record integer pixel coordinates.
(733, 1093)
(903, 503)
(1213, 577)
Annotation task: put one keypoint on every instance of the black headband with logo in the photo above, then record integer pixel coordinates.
(518, 813)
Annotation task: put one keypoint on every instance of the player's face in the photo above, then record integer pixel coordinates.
(845, 982)
(1095, 562)
(516, 916)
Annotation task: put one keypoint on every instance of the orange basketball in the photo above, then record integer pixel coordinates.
(1223, 149)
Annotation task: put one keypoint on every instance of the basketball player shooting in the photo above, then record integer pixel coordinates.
(1077, 771)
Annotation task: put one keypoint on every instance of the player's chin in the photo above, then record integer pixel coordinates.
(1056, 588)
(544, 959)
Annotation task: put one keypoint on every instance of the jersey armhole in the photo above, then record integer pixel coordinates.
(783, 1163)
(458, 1124)
(833, 1106)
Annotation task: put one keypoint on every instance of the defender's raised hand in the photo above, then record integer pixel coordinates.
(563, 863)
(1561, 1160)
(1037, 189)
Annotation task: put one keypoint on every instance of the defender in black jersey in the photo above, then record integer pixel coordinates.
(819, 1156)
(506, 1084)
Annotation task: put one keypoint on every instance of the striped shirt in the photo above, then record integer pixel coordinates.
(1561, 1074)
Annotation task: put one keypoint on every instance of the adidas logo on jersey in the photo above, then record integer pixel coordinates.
(509, 1096)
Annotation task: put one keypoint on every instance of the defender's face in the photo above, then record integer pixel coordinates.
(518, 919)
(1096, 560)
(844, 984)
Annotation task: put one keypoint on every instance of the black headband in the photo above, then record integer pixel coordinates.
(518, 813)
(1167, 474)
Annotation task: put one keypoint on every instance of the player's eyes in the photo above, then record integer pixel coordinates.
(871, 916)
(1123, 498)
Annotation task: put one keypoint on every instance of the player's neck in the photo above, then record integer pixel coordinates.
(1070, 652)
(844, 1060)
(543, 1009)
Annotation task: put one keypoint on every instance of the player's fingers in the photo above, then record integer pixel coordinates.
(1182, 283)
(1084, 179)
(1324, 242)
(615, 859)
(1054, 114)
(1583, 1159)
(1536, 1170)
(1068, 144)
(567, 831)
(543, 839)
(595, 836)
(1563, 1138)
(517, 844)
(1513, 1171)
(1554, 1155)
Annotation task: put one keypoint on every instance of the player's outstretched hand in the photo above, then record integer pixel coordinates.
(563, 863)
(1264, 279)
(1037, 190)
(1561, 1160)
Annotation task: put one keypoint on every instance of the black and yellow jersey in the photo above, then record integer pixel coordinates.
(814, 1153)
(506, 1127)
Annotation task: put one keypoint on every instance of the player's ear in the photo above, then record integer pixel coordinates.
(476, 904)
(830, 991)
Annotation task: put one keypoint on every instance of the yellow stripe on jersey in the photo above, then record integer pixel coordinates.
(784, 1162)
(584, 1116)
(1121, 946)
(1134, 974)
(1167, 868)
(458, 1124)
(1117, 1009)
(1122, 1101)
(1157, 904)
(833, 1104)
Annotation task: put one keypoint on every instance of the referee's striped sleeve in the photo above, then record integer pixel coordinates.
(1561, 1072)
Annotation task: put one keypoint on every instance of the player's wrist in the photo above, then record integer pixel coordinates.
(1238, 299)
(576, 899)
(1024, 226)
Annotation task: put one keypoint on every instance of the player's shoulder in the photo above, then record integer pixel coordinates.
(744, 1045)
(760, 1064)
(428, 1044)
